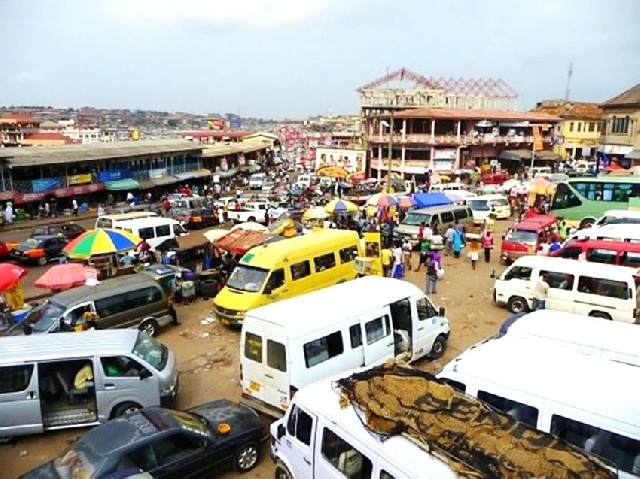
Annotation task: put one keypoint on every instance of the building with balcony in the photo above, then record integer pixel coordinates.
(579, 132)
(620, 130)
(448, 139)
(14, 127)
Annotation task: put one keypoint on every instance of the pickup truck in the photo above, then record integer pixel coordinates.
(251, 211)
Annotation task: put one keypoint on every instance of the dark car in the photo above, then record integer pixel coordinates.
(165, 444)
(68, 230)
(39, 249)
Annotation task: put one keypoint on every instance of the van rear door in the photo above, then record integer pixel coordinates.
(264, 361)
(20, 412)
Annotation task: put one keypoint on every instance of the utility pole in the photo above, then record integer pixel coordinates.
(390, 150)
(569, 75)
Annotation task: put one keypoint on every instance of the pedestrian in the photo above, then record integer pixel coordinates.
(474, 251)
(100, 210)
(386, 256)
(448, 238)
(432, 275)
(74, 206)
(397, 261)
(8, 214)
(555, 244)
(406, 254)
(487, 244)
(540, 291)
(458, 241)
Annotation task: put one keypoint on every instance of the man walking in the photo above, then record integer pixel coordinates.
(432, 275)
(540, 291)
(487, 244)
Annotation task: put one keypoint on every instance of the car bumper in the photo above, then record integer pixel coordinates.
(229, 320)
(170, 400)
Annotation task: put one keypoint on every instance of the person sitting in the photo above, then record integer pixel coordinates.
(84, 377)
(126, 260)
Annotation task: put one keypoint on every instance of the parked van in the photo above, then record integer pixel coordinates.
(133, 301)
(485, 207)
(442, 216)
(442, 187)
(620, 253)
(154, 230)
(364, 322)
(111, 221)
(557, 329)
(304, 181)
(607, 291)
(590, 402)
(545, 171)
(318, 439)
(619, 217)
(256, 181)
(287, 268)
(124, 370)
(526, 237)
(617, 232)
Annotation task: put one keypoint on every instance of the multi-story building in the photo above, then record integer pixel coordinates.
(14, 127)
(620, 138)
(579, 132)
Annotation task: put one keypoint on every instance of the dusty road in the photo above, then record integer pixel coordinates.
(208, 353)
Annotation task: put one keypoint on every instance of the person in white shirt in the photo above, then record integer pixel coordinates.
(397, 261)
(540, 291)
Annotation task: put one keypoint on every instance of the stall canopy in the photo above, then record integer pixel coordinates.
(425, 200)
(240, 241)
(122, 185)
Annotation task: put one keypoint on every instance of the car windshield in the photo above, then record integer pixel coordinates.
(414, 219)
(77, 461)
(191, 422)
(151, 351)
(32, 243)
(42, 318)
(38, 231)
(499, 202)
(522, 236)
(479, 205)
(247, 278)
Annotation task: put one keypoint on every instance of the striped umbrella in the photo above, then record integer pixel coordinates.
(383, 200)
(340, 206)
(406, 202)
(101, 241)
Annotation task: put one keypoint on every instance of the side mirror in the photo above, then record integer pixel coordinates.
(144, 374)
(281, 431)
(441, 311)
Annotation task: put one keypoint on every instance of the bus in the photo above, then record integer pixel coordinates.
(581, 201)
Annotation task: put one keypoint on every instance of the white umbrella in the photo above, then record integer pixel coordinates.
(509, 184)
(250, 226)
(315, 213)
(214, 234)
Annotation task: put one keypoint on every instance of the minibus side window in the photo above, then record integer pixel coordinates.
(300, 425)
(562, 281)
(630, 259)
(518, 272)
(146, 233)
(344, 457)
(599, 255)
(300, 270)
(324, 262)
(573, 252)
(276, 355)
(163, 230)
(14, 379)
(321, 349)
(253, 347)
(374, 330)
(603, 287)
(623, 451)
(460, 215)
(446, 217)
(109, 306)
(355, 333)
(348, 254)
(518, 411)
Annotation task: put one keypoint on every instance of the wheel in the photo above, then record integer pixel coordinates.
(149, 326)
(252, 218)
(517, 304)
(282, 472)
(598, 314)
(439, 347)
(246, 458)
(124, 408)
(42, 261)
(587, 223)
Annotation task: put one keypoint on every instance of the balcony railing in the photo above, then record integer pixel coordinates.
(462, 140)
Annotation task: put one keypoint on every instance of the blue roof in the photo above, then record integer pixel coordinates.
(425, 200)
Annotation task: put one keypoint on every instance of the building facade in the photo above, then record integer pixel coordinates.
(620, 130)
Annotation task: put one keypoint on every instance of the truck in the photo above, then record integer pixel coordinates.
(251, 211)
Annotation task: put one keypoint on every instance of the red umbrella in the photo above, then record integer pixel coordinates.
(406, 202)
(10, 276)
(65, 276)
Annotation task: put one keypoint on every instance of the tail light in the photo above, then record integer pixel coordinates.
(292, 391)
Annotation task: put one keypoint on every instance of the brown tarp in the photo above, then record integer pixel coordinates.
(192, 240)
(240, 241)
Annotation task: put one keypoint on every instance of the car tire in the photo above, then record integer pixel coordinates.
(282, 471)
(252, 218)
(149, 326)
(124, 409)
(247, 457)
(517, 304)
(439, 347)
(42, 261)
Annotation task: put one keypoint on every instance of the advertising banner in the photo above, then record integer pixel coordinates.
(157, 173)
(351, 160)
(216, 124)
(79, 179)
(46, 184)
(78, 190)
(113, 175)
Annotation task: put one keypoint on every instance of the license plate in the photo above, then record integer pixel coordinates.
(254, 386)
(197, 219)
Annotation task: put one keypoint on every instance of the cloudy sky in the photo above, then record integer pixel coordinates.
(294, 58)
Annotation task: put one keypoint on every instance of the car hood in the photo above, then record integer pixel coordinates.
(241, 418)
(44, 471)
(25, 248)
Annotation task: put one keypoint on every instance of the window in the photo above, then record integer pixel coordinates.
(579, 126)
(14, 379)
(141, 297)
(172, 448)
(276, 356)
(344, 457)
(518, 411)
(565, 198)
(120, 366)
(322, 349)
(570, 126)
(300, 270)
(146, 233)
(592, 127)
(109, 306)
(620, 125)
(425, 309)
(572, 252)
(457, 385)
(355, 334)
(446, 217)
(374, 330)
(624, 452)
(324, 262)
(348, 254)
(559, 280)
(603, 287)
(253, 347)
(630, 259)
(460, 215)
(164, 230)
(386, 475)
(300, 425)
(600, 255)
(275, 281)
(518, 272)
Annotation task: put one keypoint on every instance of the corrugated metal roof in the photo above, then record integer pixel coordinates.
(215, 150)
(460, 114)
(629, 97)
(569, 109)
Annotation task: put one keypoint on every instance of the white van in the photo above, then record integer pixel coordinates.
(545, 171)
(111, 221)
(256, 181)
(590, 402)
(154, 230)
(608, 339)
(604, 291)
(125, 370)
(619, 217)
(485, 207)
(304, 181)
(363, 322)
(614, 232)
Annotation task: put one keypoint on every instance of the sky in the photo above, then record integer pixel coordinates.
(298, 58)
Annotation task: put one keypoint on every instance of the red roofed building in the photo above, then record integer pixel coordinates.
(14, 126)
(46, 139)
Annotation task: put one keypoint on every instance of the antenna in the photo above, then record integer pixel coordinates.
(569, 75)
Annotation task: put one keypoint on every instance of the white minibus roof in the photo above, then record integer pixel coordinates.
(622, 232)
(146, 222)
(327, 306)
(614, 340)
(570, 266)
(38, 347)
(588, 383)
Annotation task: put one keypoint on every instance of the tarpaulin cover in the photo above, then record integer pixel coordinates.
(471, 437)
(240, 241)
(425, 200)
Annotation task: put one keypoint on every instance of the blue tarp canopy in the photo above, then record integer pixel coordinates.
(425, 200)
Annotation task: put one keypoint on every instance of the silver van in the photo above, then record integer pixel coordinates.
(134, 301)
(59, 381)
(441, 216)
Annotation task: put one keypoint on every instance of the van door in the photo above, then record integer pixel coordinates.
(19, 400)
(379, 343)
(74, 318)
(426, 325)
(297, 444)
(386, 470)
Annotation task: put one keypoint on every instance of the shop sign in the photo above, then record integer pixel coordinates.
(448, 154)
(157, 173)
(6, 195)
(78, 190)
(79, 179)
(351, 160)
(46, 184)
(29, 197)
(113, 175)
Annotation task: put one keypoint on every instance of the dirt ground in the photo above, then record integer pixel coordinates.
(208, 353)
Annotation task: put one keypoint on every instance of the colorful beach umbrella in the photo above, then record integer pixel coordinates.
(406, 202)
(101, 241)
(337, 206)
(65, 276)
(384, 200)
(10, 276)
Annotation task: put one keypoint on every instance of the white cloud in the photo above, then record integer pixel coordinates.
(239, 14)
(20, 77)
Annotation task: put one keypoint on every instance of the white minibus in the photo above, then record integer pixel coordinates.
(256, 181)
(363, 322)
(614, 232)
(486, 206)
(590, 402)
(603, 291)
(154, 230)
(618, 217)
(111, 221)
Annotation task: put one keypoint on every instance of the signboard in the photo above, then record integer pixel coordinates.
(46, 184)
(113, 175)
(351, 160)
(79, 179)
(78, 190)
(157, 173)
(444, 154)
(216, 124)
(537, 138)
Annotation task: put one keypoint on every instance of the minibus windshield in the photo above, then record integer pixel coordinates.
(522, 236)
(43, 317)
(499, 202)
(414, 219)
(247, 278)
(152, 351)
(479, 205)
